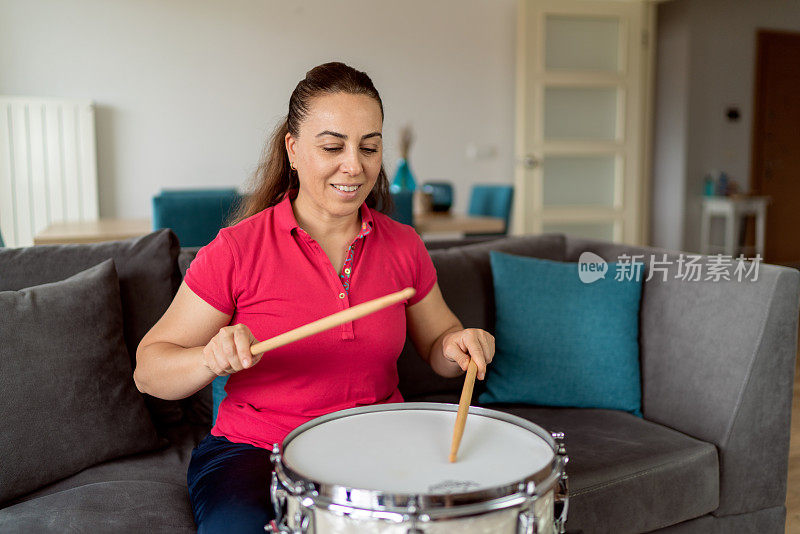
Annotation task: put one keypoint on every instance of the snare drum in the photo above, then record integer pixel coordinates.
(384, 469)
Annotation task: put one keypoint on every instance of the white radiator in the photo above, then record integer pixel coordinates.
(48, 165)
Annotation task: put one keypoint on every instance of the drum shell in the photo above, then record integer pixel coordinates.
(504, 521)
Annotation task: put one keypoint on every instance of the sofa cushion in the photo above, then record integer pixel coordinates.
(68, 398)
(114, 506)
(562, 341)
(161, 473)
(148, 279)
(627, 474)
(168, 465)
(186, 257)
(465, 278)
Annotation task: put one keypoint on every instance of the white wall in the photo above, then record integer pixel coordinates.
(722, 48)
(187, 90)
(671, 102)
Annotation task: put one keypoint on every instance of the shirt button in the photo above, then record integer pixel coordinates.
(341, 295)
(347, 271)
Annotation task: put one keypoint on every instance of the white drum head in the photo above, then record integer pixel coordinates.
(406, 452)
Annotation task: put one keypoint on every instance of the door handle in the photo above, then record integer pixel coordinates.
(529, 162)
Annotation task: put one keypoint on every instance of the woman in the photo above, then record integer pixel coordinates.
(308, 243)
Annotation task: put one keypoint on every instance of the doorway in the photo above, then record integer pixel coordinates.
(775, 168)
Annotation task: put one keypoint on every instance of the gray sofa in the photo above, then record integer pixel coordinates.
(710, 454)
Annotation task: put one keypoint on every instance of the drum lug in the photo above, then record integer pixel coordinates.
(301, 518)
(527, 523)
(277, 493)
(297, 488)
(562, 490)
(308, 512)
(275, 455)
(411, 515)
(562, 499)
(278, 497)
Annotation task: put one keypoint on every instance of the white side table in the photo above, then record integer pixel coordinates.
(733, 209)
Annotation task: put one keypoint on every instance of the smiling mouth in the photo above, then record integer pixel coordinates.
(345, 188)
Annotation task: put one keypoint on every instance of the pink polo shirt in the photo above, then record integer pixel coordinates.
(270, 275)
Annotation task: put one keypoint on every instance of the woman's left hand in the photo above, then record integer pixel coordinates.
(469, 344)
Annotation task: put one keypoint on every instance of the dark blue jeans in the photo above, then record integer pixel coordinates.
(229, 486)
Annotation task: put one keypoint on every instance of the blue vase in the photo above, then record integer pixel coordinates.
(403, 178)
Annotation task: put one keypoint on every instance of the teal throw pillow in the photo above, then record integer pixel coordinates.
(217, 394)
(564, 342)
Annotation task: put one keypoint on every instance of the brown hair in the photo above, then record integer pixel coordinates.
(273, 177)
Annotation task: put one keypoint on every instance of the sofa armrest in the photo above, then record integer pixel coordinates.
(718, 364)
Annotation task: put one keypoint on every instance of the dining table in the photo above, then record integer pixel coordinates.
(110, 229)
(456, 223)
(92, 231)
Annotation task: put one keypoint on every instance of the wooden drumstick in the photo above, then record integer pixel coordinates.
(463, 409)
(331, 321)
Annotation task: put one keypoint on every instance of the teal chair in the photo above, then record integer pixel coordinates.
(195, 215)
(403, 207)
(492, 201)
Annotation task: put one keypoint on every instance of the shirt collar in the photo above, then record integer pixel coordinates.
(283, 212)
(287, 221)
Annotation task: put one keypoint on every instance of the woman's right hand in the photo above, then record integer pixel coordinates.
(228, 352)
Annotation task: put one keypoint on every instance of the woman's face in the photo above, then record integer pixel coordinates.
(338, 152)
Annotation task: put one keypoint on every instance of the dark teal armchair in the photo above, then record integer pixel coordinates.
(492, 201)
(403, 207)
(194, 215)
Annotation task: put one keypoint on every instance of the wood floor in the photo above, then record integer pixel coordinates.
(793, 490)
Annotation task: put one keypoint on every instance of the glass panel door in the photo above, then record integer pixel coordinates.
(580, 113)
(579, 130)
(597, 41)
(579, 180)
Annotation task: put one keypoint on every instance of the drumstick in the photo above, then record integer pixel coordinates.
(331, 321)
(463, 409)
